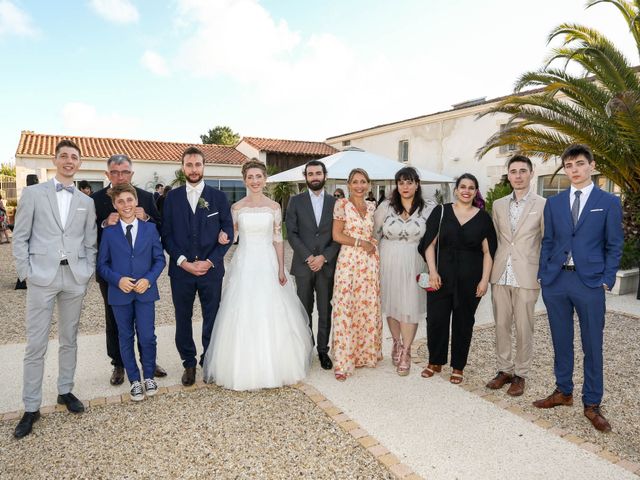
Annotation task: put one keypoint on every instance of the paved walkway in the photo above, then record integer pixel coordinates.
(439, 430)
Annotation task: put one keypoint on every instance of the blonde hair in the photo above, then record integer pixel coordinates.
(253, 163)
(361, 171)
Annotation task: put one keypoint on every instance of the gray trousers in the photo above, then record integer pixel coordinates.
(40, 301)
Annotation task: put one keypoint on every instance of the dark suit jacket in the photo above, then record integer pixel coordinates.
(116, 259)
(306, 238)
(104, 207)
(195, 235)
(595, 243)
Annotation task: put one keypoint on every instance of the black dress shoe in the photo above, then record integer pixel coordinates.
(117, 376)
(71, 401)
(26, 424)
(189, 376)
(160, 372)
(325, 361)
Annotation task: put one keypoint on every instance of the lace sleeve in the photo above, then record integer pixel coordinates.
(234, 217)
(277, 225)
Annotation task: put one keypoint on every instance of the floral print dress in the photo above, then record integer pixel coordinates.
(356, 317)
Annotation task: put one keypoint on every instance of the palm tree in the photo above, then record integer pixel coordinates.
(180, 178)
(599, 106)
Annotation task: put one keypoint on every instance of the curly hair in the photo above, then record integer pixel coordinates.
(253, 163)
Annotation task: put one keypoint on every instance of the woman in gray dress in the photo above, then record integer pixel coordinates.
(400, 223)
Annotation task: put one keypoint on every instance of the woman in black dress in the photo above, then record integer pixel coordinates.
(459, 275)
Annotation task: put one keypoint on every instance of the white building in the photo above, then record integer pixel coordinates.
(446, 142)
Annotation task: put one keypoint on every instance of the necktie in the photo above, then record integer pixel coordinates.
(60, 187)
(129, 236)
(575, 208)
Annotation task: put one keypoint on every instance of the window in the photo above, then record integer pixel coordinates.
(233, 189)
(547, 187)
(505, 149)
(346, 143)
(403, 150)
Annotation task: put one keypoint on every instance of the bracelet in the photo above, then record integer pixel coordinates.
(356, 243)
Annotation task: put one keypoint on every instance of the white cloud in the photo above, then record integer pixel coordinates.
(155, 63)
(83, 119)
(14, 21)
(116, 11)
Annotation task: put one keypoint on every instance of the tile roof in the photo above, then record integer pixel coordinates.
(293, 147)
(37, 144)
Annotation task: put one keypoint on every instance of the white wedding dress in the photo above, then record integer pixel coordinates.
(261, 336)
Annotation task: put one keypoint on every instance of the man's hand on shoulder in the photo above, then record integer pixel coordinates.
(141, 214)
(112, 219)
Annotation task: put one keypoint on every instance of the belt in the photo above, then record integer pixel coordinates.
(571, 268)
(64, 262)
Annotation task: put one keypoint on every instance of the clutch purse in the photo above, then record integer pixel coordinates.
(423, 278)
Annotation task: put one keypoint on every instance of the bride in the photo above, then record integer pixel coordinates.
(261, 336)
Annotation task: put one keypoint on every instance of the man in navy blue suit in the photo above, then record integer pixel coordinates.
(131, 259)
(580, 255)
(193, 215)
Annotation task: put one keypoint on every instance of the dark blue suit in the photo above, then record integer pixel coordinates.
(596, 247)
(195, 236)
(116, 259)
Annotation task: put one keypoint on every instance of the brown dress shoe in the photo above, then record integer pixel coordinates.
(189, 376)
(159, 372)
(500, 380)
(117, 376)
(517, 386)
(593, 413)
(555, 399)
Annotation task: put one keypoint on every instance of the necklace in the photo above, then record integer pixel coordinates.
(361, 209)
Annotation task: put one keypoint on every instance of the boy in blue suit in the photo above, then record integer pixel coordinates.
(580, 255)
(131, 260)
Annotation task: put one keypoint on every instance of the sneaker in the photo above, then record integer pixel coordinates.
(136, 391)
(150, 386)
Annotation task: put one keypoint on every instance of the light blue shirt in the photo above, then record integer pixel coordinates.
(134, 230)
(317, 202)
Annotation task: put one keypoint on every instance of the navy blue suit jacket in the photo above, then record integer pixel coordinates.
(195, 235)
(595, 243)
(116, 259)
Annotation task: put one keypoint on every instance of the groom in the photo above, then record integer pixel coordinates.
(309, 222)
(193, 215)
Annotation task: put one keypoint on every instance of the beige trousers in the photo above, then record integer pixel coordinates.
(514, 305)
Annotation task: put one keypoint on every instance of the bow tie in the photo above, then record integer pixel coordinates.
(60, 187)
(191, 189)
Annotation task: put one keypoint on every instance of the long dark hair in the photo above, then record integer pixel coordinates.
(407, 173)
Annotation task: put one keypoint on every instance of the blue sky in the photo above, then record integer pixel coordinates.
(170, 70)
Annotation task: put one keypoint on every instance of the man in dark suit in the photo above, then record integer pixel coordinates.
(192, 217)
(119, 171)
(580, 255)
(309, 221)
(158, 192)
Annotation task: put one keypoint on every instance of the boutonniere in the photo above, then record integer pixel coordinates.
(202, 203)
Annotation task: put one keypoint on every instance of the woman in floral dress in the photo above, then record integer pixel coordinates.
(356, 318)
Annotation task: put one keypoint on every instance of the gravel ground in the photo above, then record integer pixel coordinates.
(205, 433)
(621, 403)
(92, 318)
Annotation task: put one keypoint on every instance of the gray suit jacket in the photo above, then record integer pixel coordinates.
(306, 238)
(39, 236)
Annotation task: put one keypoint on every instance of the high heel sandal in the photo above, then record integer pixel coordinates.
(430, 370)
(396, 351)
(341, 377)
(404, 366)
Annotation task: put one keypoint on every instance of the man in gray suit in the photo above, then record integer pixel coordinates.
(309, 221)
(55, 251)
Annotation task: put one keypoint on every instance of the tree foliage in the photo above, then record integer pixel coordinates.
(598, 106)
(221, 135)
(499, 190)
(8, 169)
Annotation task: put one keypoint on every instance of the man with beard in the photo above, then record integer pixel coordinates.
(192, 217)
(309, 221)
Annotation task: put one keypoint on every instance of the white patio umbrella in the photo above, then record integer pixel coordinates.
(379, 168)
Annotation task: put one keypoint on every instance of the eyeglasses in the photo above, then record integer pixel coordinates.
(338, 195)
(123, 173)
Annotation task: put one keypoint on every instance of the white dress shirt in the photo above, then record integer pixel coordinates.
(584, 196)
(134, 230)
(317, 202)
(193, 195)
(64, 202)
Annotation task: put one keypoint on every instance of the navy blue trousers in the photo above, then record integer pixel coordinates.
(137, 318)
(183, 293)
(566, 294)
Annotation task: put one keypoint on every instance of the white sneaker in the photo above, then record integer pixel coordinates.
(136, 391)
(150, 386)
